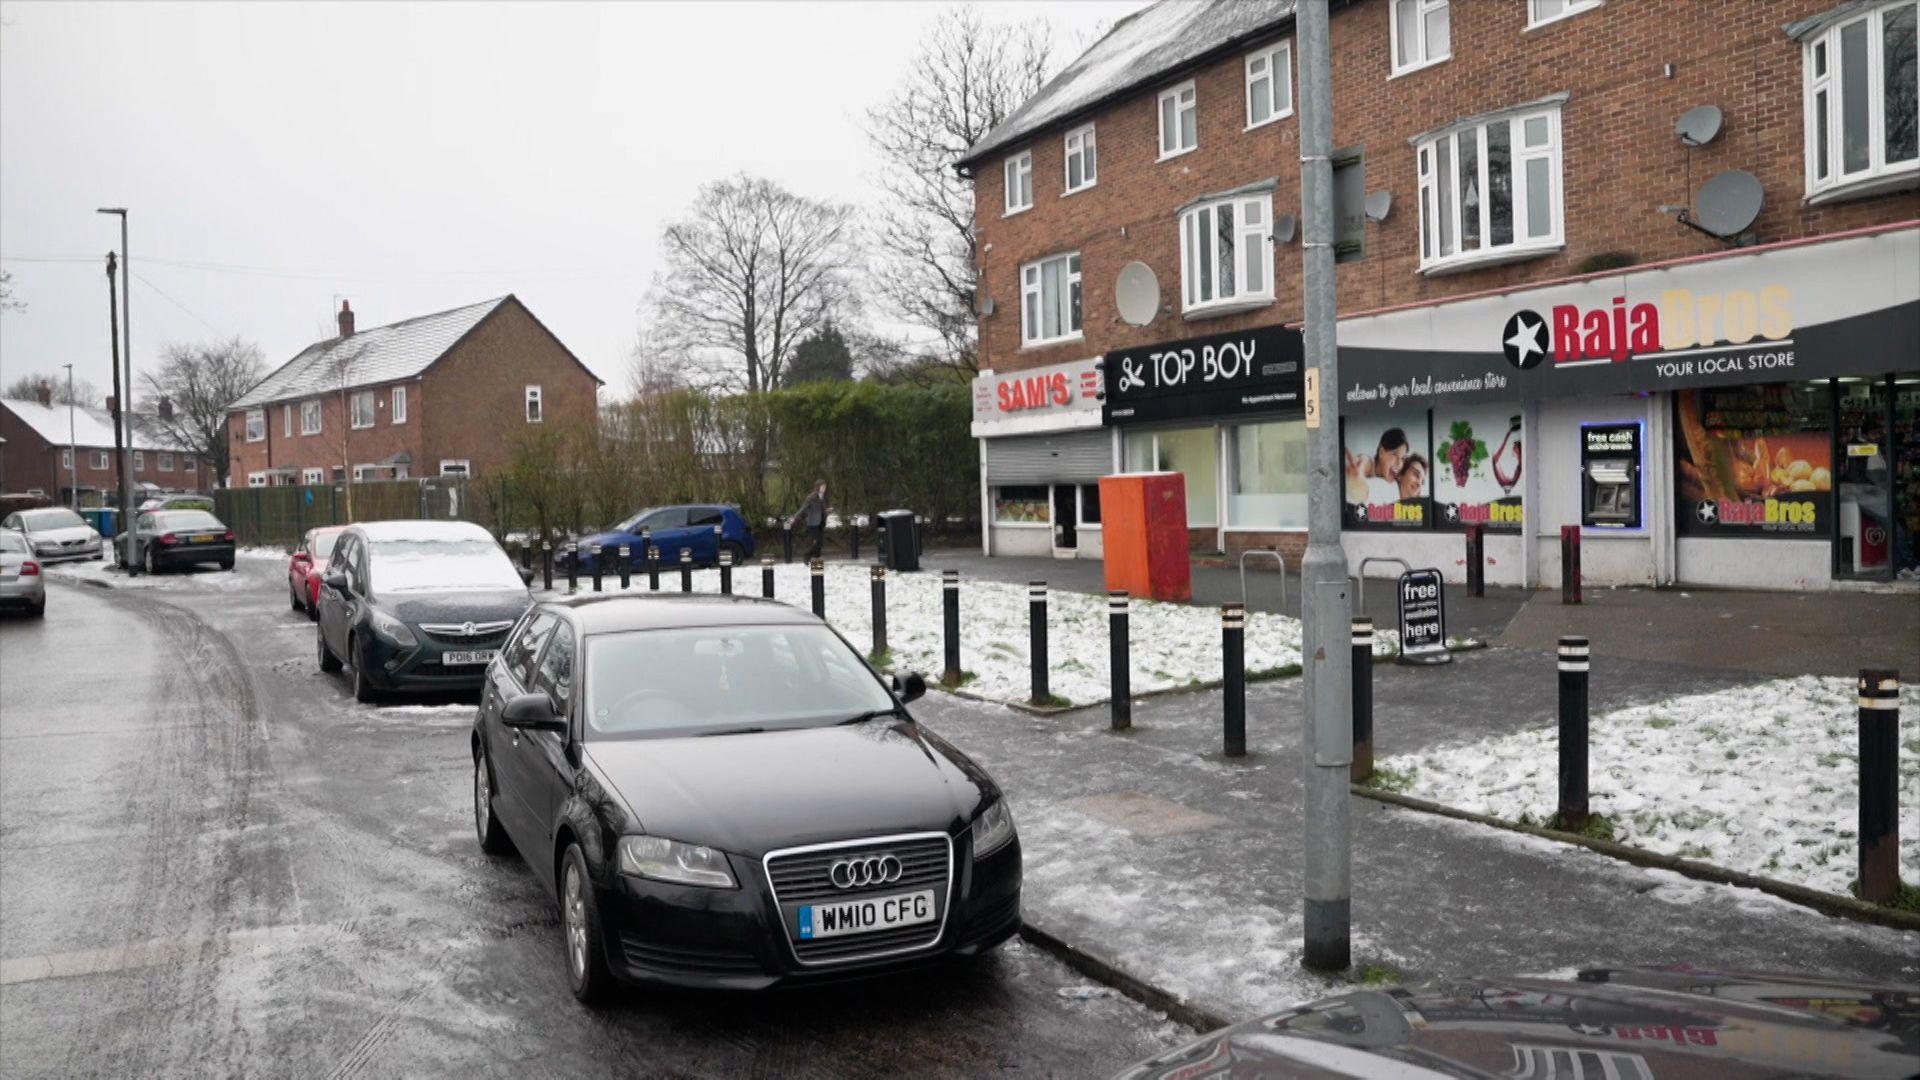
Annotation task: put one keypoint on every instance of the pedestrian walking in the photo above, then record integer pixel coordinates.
(813, 515)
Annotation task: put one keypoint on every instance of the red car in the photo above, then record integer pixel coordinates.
(309, 565)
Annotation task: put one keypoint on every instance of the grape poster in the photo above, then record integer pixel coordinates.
(1477, 465)
(1389, 471)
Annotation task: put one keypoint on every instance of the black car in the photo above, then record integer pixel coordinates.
(417, 605)
(722, 793)
(175, 539)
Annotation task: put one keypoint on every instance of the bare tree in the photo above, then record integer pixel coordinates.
(199, 382)
(967, 78)
(24, 388)
(8, 301)
(752, 270)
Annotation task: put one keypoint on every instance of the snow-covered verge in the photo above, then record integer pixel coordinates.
(102, 572)
(1170, 645)
(1762, 779)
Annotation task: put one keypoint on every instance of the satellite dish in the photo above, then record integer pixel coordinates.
(986, 306)
(1283, 228)
(1729, 202)
(1378, 204)
(1136, 292)
(1699, 126)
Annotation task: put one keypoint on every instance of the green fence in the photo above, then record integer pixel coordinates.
(279, 516)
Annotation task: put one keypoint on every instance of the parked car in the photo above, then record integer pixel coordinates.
(672, 528)
(55, 533)
(720, 792)
(175, 539)
(1633, 1022)
(22, 585)
(416, 605)
(309, 562)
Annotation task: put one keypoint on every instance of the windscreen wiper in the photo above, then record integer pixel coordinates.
(873, 714)
(733, 731)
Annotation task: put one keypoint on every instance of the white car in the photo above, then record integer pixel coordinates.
(55, 533)
(21, 583)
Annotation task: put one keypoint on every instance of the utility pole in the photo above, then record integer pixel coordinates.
(73, 449)
(123, 391)
(1328, 714)
(123, 525)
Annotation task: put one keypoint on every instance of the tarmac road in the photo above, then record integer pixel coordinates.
(212, 861)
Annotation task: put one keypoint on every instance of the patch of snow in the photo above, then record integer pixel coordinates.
(102, 571)
(264, 554)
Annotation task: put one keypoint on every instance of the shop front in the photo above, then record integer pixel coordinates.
(1748, 419)
(1042, 454)
(1225, 411)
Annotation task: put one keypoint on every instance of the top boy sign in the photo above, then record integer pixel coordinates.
(1247, 371)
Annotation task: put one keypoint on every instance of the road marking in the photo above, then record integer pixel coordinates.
(145, 954)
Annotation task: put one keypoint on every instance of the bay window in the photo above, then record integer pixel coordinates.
(1225, 253)
(1863, 102)
(1490, 190)
(1422, 34)
(1179, 120)
(1083, 162)
(1050, 300)
(1270, 84)
(1019, 170)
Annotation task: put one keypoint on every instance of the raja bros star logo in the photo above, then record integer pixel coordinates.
(1683, 320)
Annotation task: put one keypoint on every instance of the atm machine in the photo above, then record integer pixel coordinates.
(1610, 476)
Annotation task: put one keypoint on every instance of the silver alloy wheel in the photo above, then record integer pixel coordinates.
(482, 795)
(152, 569)
(575, 913)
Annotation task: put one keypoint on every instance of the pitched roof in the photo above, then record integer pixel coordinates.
(1139, 50)
(91, 427)
(382, 354)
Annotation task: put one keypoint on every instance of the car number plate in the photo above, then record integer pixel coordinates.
(475, 656)
(201, 540)
(863, 916)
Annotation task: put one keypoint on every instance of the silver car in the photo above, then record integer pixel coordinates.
(55, 533)
(21, 582)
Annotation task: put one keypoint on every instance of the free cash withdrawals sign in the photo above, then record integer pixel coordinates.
(1239, 373)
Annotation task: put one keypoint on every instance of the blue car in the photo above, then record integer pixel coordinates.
(704, 531)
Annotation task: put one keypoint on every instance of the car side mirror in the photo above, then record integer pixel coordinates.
(910, 687)
(336, 581)
(532, 712)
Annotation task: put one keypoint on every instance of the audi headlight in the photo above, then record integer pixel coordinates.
(661, 859)
(393, 630)
(993, 829)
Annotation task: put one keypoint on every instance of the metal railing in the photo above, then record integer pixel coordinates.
(1362, 577)
(1277, 561)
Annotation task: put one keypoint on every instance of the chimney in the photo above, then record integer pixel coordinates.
(166, 407)
(44, 392)
(346, 320)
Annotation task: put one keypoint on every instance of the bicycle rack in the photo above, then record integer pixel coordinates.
(1277, 561)
(1362, 577)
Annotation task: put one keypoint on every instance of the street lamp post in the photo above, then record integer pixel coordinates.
(73, 450)
(123, 390)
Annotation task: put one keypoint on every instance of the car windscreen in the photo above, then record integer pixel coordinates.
(171, 520)
(55, 518)
(13, 542)
(439, 565)
(661, 683)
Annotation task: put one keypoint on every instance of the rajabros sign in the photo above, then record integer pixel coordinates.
(1248, 371)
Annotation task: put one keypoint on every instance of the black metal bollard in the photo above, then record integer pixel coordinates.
(686, 569)
(1476, 560)
(573, 567)
(818, 569)
(626, 567)
(1362, 699)
(526, 555)
(879, 610)
(653, 567)
(596, 568)
(853, 539)
(726, 572)
(1037, 639)
(1574, 662)
(1120, 664)
(546, 565)
(950, 618)
(1233, 669)
(1569, 564)
(786, 543)
(1879, 787)
(646, 547)
(766, 577)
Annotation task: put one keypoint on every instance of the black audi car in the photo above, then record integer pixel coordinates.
(417, 605)
(721, 792)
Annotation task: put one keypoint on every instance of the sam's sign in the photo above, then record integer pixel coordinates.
(1053, 398)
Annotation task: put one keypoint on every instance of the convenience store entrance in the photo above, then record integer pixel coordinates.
(1876, 453)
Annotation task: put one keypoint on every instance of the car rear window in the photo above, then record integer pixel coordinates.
(187, 519)
(55, 518)
(14, 542)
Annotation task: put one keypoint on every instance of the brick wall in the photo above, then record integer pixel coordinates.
(479, 391)
(336, 442)
(1621, 160)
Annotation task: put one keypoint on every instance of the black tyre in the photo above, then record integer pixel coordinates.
(226, 564)
(587, 972)
(313, 612)
(363, 689)
(492, 835)
(38, 611)
(329, 663)
(294, 595)
(148, 562)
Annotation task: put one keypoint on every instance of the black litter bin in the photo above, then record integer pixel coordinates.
(899, 539)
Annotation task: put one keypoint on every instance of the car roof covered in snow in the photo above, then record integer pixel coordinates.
(1141, 49)
(618, 613)
(422, 531)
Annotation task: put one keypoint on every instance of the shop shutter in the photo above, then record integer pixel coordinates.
(1072, 456)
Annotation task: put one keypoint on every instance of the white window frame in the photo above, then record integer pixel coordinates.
(1080, 146)
(1824, 91)
(1186, 100)
(1429, 192)
(1018, 172)
(165, 464)
(1258, 233)
(399, 414)
(97, 460)
(312, 416)
(190, 464)
(139, 460)
(1033, 300)
(367, 398)
(1421, 9)
(256, 479)
(1568, 11)
(536, 404)
(456, 467)
(311, 477)
(1274, 65)
(66, 457)
(286, 421)
(256, 425)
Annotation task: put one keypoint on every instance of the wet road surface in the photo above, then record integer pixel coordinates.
(212, 861)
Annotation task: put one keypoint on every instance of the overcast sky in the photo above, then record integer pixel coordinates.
(410, 157)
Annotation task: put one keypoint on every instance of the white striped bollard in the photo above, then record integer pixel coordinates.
(1037, 639)
(1362, 699)
(1233, 670)
(1879, 786)
(1573, 664)
(879, 610)
(1121, 664)
(950, 620)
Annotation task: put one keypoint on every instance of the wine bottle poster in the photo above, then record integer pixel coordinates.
(1389, 471)
(1478, 464)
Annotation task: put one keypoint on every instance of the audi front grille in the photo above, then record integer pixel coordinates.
(803, 875)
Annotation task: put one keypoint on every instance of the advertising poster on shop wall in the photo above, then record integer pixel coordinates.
(1752, 461)
(1477, 466)
(1388, 476)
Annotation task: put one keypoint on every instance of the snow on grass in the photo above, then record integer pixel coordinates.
(1762, 779)
(103, 572)
(1171, 645)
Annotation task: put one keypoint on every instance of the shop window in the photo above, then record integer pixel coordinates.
(1083, 160)
(1179, 120)
(1490, 192)
(1050, 300)
(1754, 461)
(1270, 84)
(1422, 34)
(1090, 504)
(1192, 452)
(1269, 476)
(1021, 504)
(1862, 94)
(1019, 172)
(1226, 255)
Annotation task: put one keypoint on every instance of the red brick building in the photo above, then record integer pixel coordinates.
(446, 394)
(54, 450)
(1527, 156)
